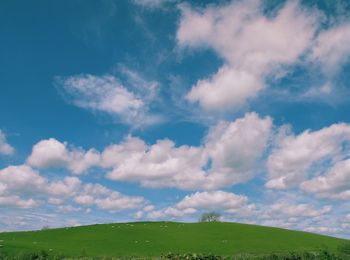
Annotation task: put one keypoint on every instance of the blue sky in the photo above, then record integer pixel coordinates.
(163, 109)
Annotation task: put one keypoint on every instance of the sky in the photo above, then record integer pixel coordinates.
(134, 110)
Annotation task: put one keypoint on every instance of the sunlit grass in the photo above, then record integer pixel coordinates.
(158, 238)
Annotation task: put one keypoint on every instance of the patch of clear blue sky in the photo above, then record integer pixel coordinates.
(44, 39)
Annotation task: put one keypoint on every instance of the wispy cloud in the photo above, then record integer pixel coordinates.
(130, 102)
(5, 148)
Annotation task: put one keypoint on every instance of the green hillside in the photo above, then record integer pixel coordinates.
(157, 238)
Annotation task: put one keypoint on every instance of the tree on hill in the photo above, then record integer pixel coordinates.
(210, 217)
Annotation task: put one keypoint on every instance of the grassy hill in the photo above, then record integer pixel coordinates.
(156, 238)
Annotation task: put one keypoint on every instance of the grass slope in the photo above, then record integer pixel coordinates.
(156, 238)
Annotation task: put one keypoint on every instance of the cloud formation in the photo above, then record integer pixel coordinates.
(23, 187)
(51, 153)
(252, 45)
(332, 48)
(296, 158)
(106, 94)
(228, 156)
(5, 148)
(221, 201)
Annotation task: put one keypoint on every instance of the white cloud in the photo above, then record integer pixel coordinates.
(16, 202)
(66, 188)
(323, 230)
(228, 156)
(55, 201)
(285, 209)
(107, 199)
(228, 88)
(21, 179)
(151, 207)
(221, 201)
(213, 200)
(290, 162)
(5, 148)
(332, 48)
(18, 180)
(52, 153)
(23, 187)
(252, 46)
(48, 153)
(102, 93)
(80, 161)
(160, 165)
(234, 148)
(138, 215)
(106, 94)
(85, 200)
(334, 184)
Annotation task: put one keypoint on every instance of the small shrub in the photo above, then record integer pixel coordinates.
(210, 217)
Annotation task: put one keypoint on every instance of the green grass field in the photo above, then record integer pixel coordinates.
(157, 238)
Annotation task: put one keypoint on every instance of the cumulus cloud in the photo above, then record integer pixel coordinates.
(16, 202)
(48, 153)
(222, 201)
(51, 153)
(21, 179)
(108, 95)
(23, 187)
(5, 148)
(215, 200)
(294, 210)
(235, 147)
(332, 48)
(228, 156)
(289, 210)
(20, 182)
(334, 184)
(228, 88)
(65, 188)
(107, 199)
(294, 157)
(252, 45)
(159, 165)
